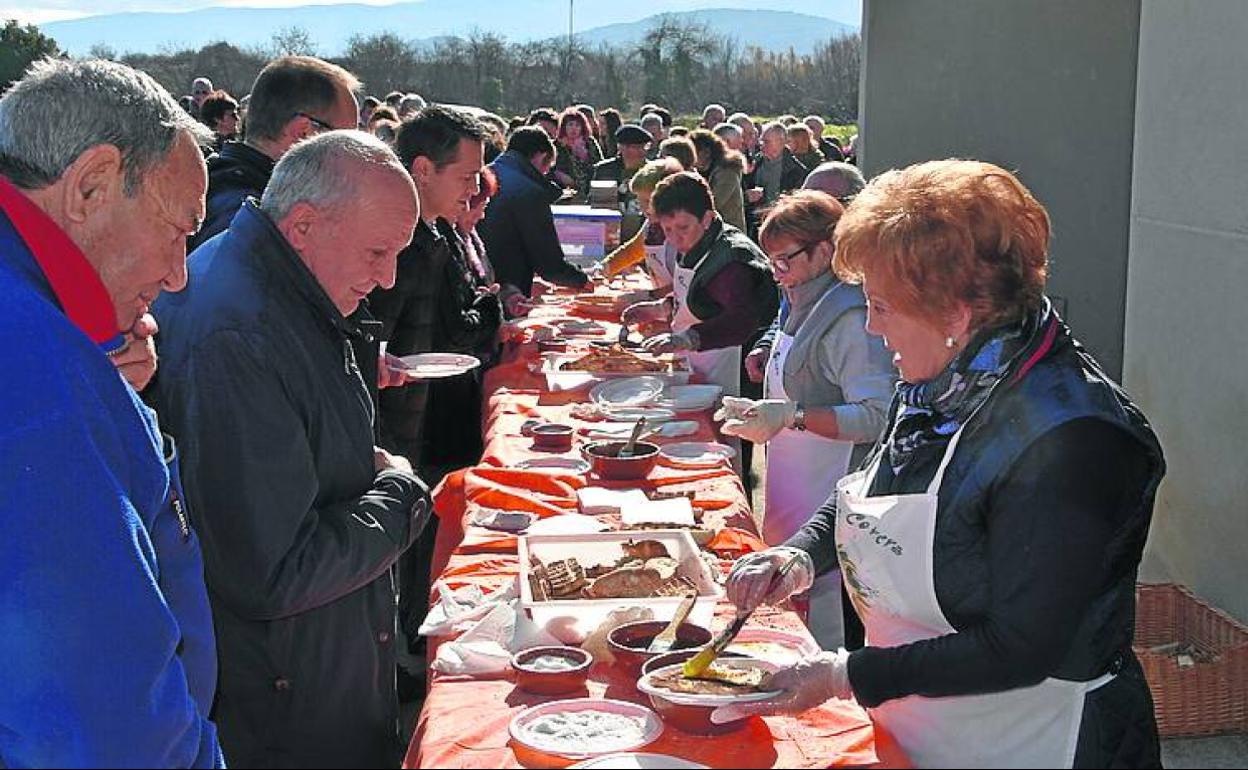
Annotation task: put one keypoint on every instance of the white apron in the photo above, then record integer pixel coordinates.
(659, 261)
(721, 366)
(802, 470)
(885, 549)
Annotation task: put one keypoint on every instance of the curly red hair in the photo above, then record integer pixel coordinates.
(946, 232)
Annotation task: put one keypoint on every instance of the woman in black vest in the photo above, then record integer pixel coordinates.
(991, 544)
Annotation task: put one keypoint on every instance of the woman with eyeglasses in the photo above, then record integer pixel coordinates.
(827, 385)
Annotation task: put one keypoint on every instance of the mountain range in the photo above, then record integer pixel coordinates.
(331, 26)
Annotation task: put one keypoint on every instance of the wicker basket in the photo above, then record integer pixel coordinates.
(1195, 658)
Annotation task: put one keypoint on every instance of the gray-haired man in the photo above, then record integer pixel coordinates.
(107, 655)
(301, 516)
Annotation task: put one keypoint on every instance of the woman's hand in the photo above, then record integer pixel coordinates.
(642, 312)
(760, 421)
(670, 342)
(749, 583)
(806, 684)
(756, 363)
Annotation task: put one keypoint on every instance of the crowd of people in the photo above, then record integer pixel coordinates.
(214, 476)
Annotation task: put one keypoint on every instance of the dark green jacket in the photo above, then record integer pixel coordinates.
(726, 244)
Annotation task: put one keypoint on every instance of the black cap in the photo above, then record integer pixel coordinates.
(631, 133)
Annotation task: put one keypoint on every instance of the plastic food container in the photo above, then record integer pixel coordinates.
(571, 620)
(532, 676)
(604, 460)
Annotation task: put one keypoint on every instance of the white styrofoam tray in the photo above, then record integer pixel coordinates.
(558, 380)
(571, 620)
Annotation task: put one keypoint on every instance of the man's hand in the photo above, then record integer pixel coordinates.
(756, 363)
(384, 461)
(391, 373)
(137, 361)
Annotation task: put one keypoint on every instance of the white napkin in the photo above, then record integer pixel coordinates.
(486, 648)
(456, 611)
(598, 500)
(677, 511)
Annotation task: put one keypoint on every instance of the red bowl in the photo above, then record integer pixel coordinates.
(603, 459)
(683, 716)
(543, 682)
(553, 436)
(628, 642)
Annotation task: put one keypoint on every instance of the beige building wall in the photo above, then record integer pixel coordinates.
(1185, 356)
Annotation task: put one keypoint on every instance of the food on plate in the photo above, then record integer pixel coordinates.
(644, 569)
(715, 680)
(574, 731)
(616, 360)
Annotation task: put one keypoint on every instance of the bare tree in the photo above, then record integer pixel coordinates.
(293, 41)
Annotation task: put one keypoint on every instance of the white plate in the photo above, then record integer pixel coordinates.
(521, 727)
(645, 685)
(565, 464)
(634, 391)
(692, 398)
(773, 645)
(638, 761)
(652, 414)
(622, 430)
(697, 454)
(432, 366)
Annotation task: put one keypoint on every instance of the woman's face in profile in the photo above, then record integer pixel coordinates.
(918, 346)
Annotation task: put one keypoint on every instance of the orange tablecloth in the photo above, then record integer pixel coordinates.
(464, 721)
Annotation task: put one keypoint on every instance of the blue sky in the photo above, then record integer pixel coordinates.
(39, 11)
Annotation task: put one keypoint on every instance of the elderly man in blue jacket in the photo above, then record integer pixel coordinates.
(107, 655)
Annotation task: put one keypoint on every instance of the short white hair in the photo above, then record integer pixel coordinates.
(319, 171)
(63, 107)
(728, 129)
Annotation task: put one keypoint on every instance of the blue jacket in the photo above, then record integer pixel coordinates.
(519, 228)
(106, 644)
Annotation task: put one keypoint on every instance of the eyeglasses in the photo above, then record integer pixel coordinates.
(322, 125)
(783, 263)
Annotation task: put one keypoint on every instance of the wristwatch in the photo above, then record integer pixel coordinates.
(799, 417)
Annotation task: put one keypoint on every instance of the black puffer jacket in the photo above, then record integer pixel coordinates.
(408, 314)
(236, 173)
(299, 532)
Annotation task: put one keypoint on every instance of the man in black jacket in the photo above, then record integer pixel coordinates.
(633, 142)
(519, 228)
(300, 516)
(294, 97)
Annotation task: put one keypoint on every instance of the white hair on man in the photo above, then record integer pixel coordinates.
(411, 104)
(63, 107)
(324, 171)
(774, 127)
(728, 130)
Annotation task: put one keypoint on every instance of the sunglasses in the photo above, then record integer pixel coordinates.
(322, 125)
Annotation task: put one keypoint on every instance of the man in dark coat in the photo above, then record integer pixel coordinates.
(294, 97)
(300, 515)
(633, 142)
(519, 228)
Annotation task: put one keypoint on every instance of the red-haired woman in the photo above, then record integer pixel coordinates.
(577, 152)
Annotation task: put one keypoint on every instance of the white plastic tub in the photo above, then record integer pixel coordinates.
(571, 620)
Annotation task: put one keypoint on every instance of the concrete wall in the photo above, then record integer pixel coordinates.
(1043, 87)
(1186, 353)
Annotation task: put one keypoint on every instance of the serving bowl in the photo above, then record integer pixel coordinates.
(628, 642)
(604, 459)
(692, 712)
(538, 672)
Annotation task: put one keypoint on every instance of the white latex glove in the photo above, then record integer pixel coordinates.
(750, 579)
(670, 343)
(761, 422)
(733, 408)
(806, 684)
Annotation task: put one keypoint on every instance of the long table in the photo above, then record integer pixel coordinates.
(464, 720)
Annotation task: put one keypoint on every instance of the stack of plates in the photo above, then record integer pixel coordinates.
(629, 392)
(692, 398)
(697, 454)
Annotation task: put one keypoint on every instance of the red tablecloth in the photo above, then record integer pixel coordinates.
(464, 721)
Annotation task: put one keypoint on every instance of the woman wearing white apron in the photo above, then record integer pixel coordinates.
(722, 288)
(991, 545)
(826, 390)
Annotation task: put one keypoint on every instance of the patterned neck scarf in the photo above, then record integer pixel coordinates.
(934, 410)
